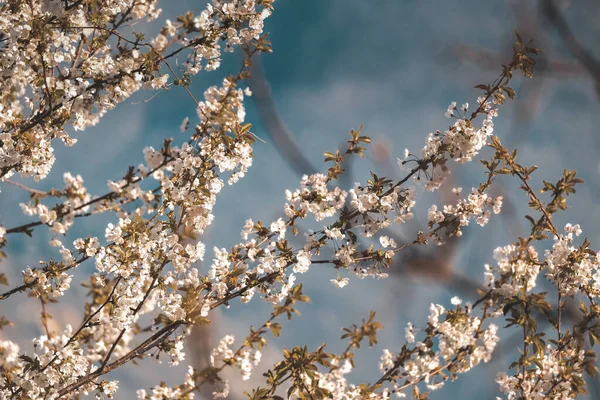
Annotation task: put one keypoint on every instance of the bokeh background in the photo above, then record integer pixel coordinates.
(392, 66)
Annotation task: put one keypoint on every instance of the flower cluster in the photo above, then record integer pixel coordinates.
(516, 271)
(61, 69)
(160, 392)
(464, 141)
(547, 380)
(572, 269)
(48, 281)
(462, 344)
(454, 216)
(315, 198)
(245, 360)
(373, 204)
(460, 142)
(9, 356)
(60, 218)
(336, 384)
(58, 362)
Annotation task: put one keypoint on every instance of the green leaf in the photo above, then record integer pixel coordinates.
(275, 329)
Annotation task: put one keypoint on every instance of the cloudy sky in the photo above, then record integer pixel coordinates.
(392, 66)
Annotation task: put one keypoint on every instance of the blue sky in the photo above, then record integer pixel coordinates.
(336, 64)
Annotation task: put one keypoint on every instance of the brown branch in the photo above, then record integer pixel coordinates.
(26, 188)
(279, 132)
(583, 55)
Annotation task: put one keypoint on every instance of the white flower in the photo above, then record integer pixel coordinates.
(576, 229)
(184, 124)
(386, 361)
(279, 227)
(497, 205)
(303, 262)
(450, 111)
(340, 282)
(387, 242)
(409, 333)
(114, 187)
(248, 227)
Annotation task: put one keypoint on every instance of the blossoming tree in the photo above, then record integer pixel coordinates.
(65, 64)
